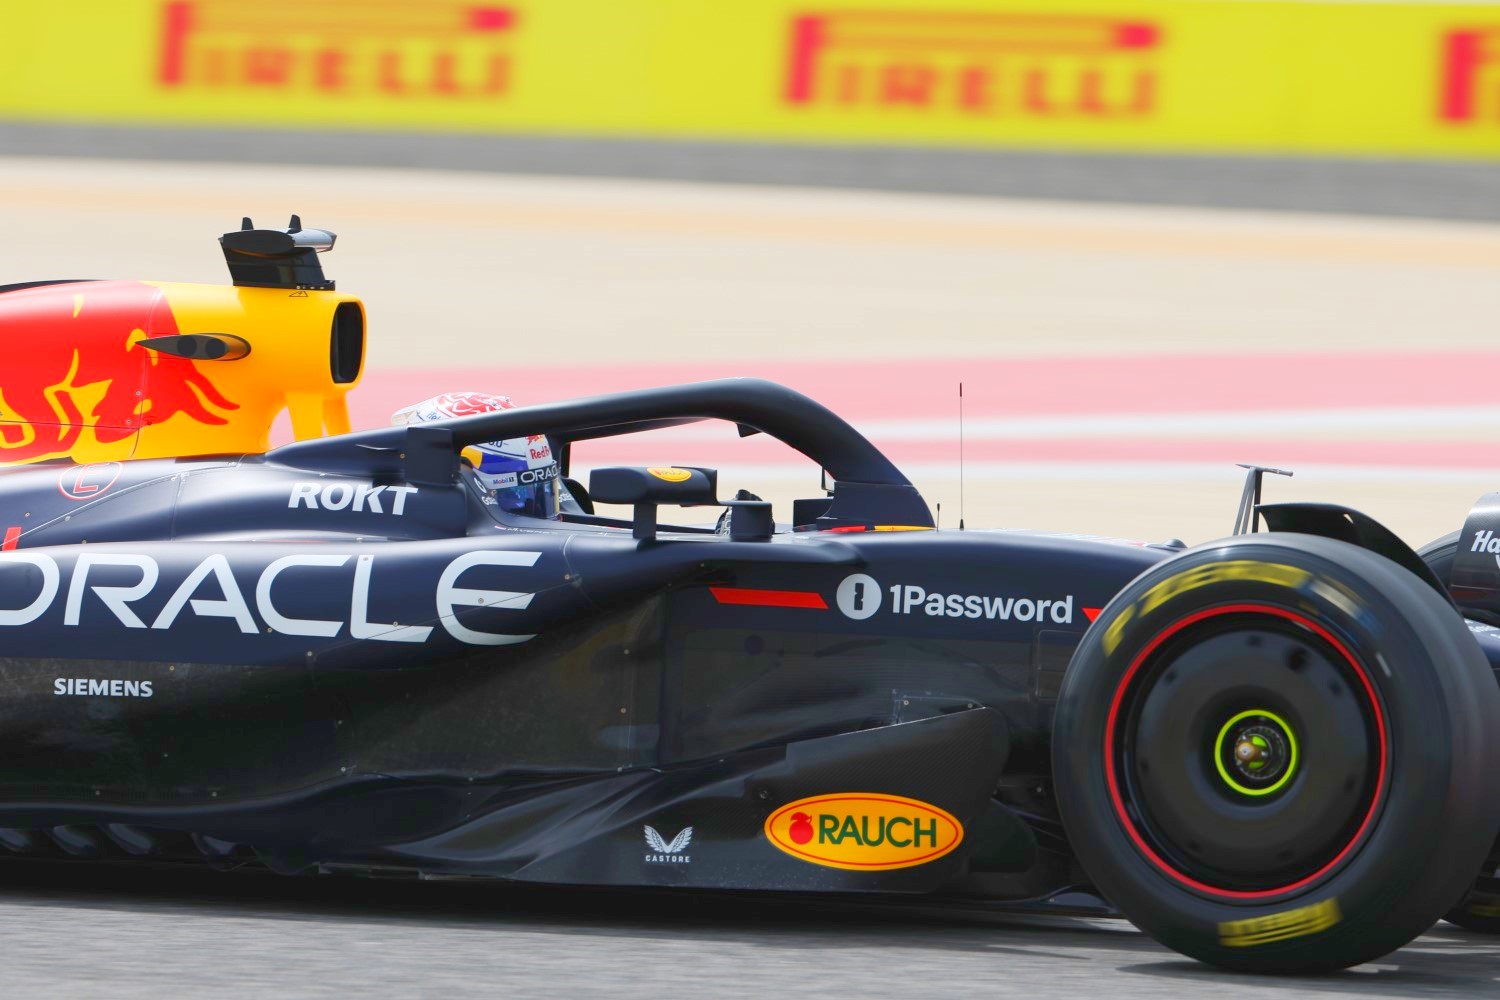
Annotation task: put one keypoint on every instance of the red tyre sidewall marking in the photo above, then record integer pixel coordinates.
(1109, 744)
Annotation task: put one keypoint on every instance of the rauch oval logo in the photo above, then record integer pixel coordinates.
(864, 831)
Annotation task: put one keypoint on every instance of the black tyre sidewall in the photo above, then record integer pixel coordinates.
(1439, 555)
(1464, 916)
(1432, 829)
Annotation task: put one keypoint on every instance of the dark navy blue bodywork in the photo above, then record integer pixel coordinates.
(339, 656)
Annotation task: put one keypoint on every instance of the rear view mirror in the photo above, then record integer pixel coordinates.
(646, 488)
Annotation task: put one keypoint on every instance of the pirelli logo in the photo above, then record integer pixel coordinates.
(1470, 86)
(1276, 574)
(439, 49)
(1301, 922)
(1001, 65)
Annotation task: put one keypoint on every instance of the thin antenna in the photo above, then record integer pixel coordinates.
(1247, 518)
(939, 525)
(960, 456)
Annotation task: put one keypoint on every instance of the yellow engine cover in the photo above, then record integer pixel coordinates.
(79, 379)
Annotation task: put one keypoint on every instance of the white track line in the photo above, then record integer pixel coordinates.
(1192, 424)
(1137, 472)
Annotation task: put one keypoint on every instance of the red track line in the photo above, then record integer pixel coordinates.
(917, 387)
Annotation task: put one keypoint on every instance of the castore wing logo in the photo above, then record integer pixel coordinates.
(668, 852)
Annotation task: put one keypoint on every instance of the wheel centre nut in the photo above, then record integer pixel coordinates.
(1256, 752)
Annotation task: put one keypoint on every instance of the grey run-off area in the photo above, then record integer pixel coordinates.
(1416, 188)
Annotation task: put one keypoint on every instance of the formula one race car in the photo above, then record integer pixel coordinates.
(1271, 752)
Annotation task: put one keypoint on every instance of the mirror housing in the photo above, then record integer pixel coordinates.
(647, 488)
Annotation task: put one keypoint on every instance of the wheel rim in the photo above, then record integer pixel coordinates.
(1237, 760)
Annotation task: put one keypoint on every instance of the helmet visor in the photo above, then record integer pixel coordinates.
(518, 483)
(537, 499)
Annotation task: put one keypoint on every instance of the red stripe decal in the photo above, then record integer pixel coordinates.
(12, 536)
(769, 598)
(1092, 613)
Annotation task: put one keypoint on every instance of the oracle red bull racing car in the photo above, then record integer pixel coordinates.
(1272, 752)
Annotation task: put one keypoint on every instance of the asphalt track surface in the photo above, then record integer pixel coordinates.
(71, 931)
(1416, 188)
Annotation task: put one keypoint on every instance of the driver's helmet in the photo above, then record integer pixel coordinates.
(520, 474)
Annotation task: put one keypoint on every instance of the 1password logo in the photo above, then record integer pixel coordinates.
(860, 596)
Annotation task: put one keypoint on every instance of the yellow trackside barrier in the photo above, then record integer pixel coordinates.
(1367, 78)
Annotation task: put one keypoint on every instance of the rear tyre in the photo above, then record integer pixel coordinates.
(1270, 751)
(1439, 554)
(1479, 911)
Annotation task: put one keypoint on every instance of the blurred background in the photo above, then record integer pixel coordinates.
(1151, 238)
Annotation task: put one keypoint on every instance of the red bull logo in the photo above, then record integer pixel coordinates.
(445, 49)
(76, 380)
(1018, 65)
